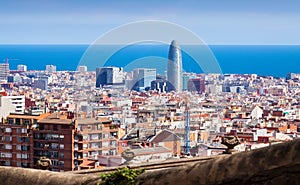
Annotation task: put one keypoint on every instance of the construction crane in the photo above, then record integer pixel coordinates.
(187, 126)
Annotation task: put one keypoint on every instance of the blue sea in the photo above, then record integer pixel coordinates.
(274, 60)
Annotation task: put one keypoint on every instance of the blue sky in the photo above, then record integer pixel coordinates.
(215, 21)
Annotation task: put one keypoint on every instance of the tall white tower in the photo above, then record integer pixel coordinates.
(174, 69)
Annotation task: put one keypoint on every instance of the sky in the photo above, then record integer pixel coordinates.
(214, 21)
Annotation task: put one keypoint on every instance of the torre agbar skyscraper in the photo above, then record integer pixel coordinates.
(174, 69)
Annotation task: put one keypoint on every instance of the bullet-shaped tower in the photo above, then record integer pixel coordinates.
(174, 69)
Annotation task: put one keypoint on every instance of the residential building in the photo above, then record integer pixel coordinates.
(50, 68)
(16, 140)
(69, 143)
(22, 68)
(4, 70)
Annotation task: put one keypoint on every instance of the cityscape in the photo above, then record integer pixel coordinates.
(86, 119)
(149, 91)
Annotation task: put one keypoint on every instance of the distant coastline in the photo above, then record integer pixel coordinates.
(266, 60)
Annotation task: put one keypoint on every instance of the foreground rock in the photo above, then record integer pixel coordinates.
(15, 176)
(276, 164)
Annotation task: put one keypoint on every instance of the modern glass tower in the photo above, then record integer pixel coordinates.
(174, 69)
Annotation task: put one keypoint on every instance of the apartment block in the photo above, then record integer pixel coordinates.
(71, 144)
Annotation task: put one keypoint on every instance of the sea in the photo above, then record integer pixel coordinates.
(265, 60)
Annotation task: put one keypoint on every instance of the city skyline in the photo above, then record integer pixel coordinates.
(230, 22)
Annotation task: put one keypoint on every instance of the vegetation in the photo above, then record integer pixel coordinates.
(123, 176)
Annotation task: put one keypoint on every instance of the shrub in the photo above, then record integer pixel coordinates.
(123, 176)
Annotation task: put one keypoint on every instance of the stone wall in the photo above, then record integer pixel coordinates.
(21, 176)
(276, 164)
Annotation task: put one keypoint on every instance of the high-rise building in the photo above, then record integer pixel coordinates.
(174, 69)
(82, 69)
(22, 67)
(196, 84)
(4, 70)
(41, 83)
(142, 78)
(50, 68)
(109, 76)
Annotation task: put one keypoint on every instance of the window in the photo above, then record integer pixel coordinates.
(54, 127)
(113, 143)
(94, 136)
(19, 147)
(19, 156)
(61, 163)
(61, 137)
(8, 146)
(85, 146)
(25, 156)
(25, 148)
(86, 137)
(10, 121)
(54, 145)
(19, 164)
(19, 130)
(61, 146)
(7, 138)
(6, 155)
(105, 144)
(7, 129)
(61, 155)
(112, 152)
(54, 162)
(18, 121)
(26, 121)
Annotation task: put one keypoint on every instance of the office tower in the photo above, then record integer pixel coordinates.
(174, 69)
(22, 67)
(82, 69)
(50, 68)
(142, 78)
(109, 76)
(4, 70)
(41, 83)
(160, 85)
(196, 84)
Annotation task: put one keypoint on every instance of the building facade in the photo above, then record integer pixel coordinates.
(50, 68)
(4, 70)
(109, 76)
(196, 84)
(22, 68)
(70, 144)
(142, 78)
